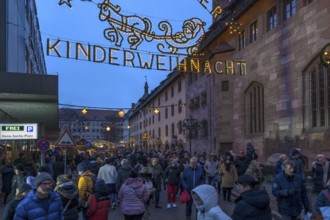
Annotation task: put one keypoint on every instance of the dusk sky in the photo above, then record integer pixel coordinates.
(93, 84)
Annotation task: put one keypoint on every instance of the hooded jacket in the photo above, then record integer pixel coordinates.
(69, 191)
(132, 195)
(210, 209)
(253, 205)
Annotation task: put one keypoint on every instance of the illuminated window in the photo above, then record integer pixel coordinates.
(271, 19)
(253, 31)
(241, 40)
(254, 108)
(290, 7)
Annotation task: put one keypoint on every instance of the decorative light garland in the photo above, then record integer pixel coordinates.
(325, 55)
(137, 29)
(121, 112)
(234, 27)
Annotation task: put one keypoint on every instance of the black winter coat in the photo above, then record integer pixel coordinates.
(123, 173)
(172, 175)
(7, 178)
(242, 164)
(253, 205)
(9, 211)
(290, 205)
(318, 172)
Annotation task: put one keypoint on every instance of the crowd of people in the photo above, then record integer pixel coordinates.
(133, 180)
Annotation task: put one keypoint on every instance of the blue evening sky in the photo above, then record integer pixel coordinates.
(102, 85)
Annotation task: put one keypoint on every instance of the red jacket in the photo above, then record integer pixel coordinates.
(98, 207)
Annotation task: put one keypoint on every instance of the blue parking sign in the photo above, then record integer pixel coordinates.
(29, 128)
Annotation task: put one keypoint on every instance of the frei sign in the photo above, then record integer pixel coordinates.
(18, 131)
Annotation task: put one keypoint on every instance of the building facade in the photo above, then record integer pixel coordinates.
(27, 93)
(281, 103)
(20, 39)
(92, 126)
(154, 118)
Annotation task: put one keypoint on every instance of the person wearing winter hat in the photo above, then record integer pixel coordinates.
(100, 202)
(320, 173)
(205, 198)
(40, 202)
(253, 202)
(9, 211)
(69, 195)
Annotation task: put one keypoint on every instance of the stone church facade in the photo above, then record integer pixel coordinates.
(283, 100)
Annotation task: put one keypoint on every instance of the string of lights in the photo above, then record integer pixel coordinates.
(115, 108)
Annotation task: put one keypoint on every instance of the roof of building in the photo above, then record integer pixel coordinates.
(144, 101)
(69, 114)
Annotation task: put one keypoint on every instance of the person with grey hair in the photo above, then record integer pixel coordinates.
(157, 179)
(192, 177)
(123, 172)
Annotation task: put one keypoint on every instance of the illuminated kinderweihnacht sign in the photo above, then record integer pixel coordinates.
(116, 56)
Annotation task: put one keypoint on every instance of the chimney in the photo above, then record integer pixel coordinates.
(133, 105)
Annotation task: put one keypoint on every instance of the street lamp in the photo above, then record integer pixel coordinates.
(189, 128)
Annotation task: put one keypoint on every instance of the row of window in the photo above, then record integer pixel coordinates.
(317, 92)
(151, 120)
(198, 101)
(201, 132)
(289, 9)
